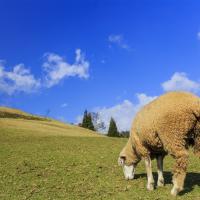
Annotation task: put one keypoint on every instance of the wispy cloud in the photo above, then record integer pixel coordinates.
(198, 35)
(19, 79)
(118, 40)
(103, 61)
(123, 113)
(180, 81)
(64, 105)
(57, 68)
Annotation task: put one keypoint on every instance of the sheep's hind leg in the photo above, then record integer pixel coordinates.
(175, 144)
(160, 181)
(180, 167)
(150, 179)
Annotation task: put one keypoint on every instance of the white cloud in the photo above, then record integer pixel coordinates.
(198, 35)
(19, 79)
(103, 61)
(123, 113)
(57, 68)
(118, 40)
(180, 81)
(79, 119)
(64, 105)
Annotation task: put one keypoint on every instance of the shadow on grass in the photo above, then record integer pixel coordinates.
(192, 180)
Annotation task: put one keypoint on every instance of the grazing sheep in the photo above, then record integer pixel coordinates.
(167, 125)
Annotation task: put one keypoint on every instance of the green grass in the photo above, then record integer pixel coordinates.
(37, 163)
(14, 113)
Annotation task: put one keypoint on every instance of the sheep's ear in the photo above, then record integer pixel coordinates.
(121, 160)
(122, 157)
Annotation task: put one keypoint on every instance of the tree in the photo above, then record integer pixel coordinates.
(90, 124)
(87, 121)
(112, 131)
(99, 125)
(124, 134)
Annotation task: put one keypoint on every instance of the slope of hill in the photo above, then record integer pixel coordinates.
(17, 121)
(47, 159)
(6, 112)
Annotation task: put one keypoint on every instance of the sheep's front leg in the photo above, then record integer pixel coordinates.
(150, 179)
(160, 181)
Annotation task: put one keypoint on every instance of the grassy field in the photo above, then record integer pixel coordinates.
(51, 160)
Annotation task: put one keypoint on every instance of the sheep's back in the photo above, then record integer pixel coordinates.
(165, 113)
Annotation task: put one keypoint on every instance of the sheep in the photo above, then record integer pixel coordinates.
(167, 125)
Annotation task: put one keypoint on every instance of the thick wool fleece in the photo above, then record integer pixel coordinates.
(168, 124)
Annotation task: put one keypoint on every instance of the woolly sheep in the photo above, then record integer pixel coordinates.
(167, 125)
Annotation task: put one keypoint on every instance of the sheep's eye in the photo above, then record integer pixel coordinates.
(121, 160)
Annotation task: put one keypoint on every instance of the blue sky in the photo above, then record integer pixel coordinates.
(108, 56)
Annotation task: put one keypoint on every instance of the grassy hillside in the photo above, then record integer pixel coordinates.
(14, 113)
(46, 159)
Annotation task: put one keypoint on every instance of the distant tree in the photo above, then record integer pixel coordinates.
(112, 131)
(99, 125)
(84, 123)
(124, 134)
(79, 124)
(90, 124)
(87, 121)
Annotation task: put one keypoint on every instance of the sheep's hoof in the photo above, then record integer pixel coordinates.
(160, 183)
(175, 191)
(150, 186)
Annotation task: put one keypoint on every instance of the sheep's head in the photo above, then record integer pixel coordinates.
(129, 170)
(128, 159)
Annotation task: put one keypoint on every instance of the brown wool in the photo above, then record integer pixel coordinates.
(167, 125)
